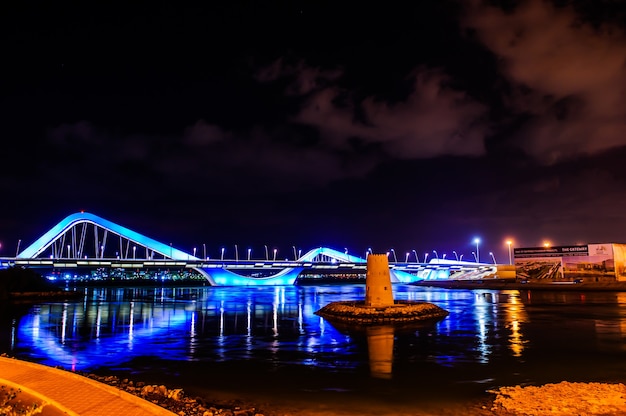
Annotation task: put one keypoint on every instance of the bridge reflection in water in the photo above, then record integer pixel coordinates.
(113, 326)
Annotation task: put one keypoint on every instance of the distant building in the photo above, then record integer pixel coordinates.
(591, 262)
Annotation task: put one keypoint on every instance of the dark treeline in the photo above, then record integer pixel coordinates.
(21, 280)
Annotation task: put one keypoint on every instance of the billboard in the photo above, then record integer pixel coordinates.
(592, 262)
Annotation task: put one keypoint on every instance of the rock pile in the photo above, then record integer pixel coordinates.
(175, 400)
(562, 399)
(399, 312)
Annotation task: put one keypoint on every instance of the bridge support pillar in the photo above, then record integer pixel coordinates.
(378, 290)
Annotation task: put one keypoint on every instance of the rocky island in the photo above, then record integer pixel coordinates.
(379, 306)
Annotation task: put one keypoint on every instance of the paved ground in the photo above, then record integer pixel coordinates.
(73, 394)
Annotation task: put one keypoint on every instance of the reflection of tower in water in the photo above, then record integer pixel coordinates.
(380, 350)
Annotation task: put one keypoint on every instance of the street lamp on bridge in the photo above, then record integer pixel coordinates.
(249, 251)
(509, 243)
(417, 260)
(222, 256)
(275, 250)
(436, 255)
(477, 242)
(267, 256)
(425, 257)
(456, 256)
(395, 259)
(493, 257)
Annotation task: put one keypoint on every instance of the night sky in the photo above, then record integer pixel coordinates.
(407, 125)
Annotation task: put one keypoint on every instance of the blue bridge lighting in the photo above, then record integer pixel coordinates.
(86, 240)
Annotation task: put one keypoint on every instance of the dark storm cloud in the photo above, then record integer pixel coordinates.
(567, 75)
(204, 134)
(304, 79)
(434, 119)
(206, 153)
(66, 135)
(332, 136)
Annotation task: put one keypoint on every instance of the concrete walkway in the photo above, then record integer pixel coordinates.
(73, 394)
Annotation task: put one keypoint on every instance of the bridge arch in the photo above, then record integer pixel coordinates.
(66, 230)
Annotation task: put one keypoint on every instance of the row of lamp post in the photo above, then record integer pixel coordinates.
(476, 253)
(297, 255)
(267, 257)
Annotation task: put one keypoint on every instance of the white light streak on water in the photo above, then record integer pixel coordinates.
(131, 325)
(63, 323)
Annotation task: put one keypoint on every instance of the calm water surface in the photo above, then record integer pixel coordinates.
(268, 341)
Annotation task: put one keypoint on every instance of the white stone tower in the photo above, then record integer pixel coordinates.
(378, 290)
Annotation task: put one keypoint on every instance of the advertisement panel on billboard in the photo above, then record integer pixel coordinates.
(598, 263)
(539, 268)
(619, 259)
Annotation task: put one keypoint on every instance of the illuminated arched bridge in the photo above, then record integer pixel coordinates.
(84, 240)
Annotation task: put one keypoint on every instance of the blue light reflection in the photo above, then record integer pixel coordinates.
(277, 324)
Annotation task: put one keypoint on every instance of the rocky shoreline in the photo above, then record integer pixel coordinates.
(560, 399)
(176, 401)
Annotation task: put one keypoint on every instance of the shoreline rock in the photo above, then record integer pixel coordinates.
(562, 399)
(175, 400)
